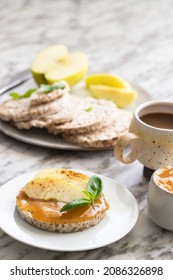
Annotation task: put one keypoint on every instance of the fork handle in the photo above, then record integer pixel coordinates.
(15, 83)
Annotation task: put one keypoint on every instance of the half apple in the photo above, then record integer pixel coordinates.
(54, 64)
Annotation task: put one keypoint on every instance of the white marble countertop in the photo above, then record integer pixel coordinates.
(130, 38)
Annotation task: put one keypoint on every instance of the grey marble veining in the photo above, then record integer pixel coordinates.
(129, 37)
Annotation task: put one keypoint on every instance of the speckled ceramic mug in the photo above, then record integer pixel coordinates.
(160, 197)
(150, 145)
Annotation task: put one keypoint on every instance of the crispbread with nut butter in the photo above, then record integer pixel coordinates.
(41, 200)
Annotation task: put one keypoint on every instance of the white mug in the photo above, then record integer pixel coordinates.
(149, 144)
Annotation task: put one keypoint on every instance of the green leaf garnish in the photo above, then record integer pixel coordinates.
(95, 187)
(50, 88)
(27, 94)
(44, 88)
(89, 109)
(15, 95)
(94, 190)
(75, 204)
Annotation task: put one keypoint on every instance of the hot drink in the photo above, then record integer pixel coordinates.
(160, 120)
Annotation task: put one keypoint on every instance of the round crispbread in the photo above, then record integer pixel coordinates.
(40, 97)
(90, 115)
(12, 109)
(64, 114)
(104, 138)
(49, 108)
(22, 111)
(61, 228)
(58, 118)
(29, 124)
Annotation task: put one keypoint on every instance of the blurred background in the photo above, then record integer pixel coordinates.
(129, 37)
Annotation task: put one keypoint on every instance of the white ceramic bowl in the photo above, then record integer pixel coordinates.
(160, 202)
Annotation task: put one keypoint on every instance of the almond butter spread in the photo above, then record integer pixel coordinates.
(49, 211)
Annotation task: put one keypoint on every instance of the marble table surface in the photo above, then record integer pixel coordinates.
(130, 38)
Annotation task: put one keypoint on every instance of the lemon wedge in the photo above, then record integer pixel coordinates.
(107, 80)
(113, 87)
(120, 96)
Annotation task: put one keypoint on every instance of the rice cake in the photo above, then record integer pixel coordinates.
(103, 138)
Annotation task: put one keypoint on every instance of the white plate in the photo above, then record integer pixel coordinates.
(119, 219)
(41, 137)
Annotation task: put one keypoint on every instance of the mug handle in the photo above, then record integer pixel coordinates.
(135, 144)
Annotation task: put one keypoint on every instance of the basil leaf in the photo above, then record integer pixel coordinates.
(75, 204)
(27, 94)
(46, 88)
(89, 109)
(95, 187)
(60, 86)
(15, 95)
(50, 88)
(88, 194)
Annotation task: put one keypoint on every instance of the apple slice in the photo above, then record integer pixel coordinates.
(71, 68)
(120, 96)
(52, 187)
(78, 179)
(47, 59)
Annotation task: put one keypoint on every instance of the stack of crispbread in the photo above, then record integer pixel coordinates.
(104, 137)
(86, 122)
